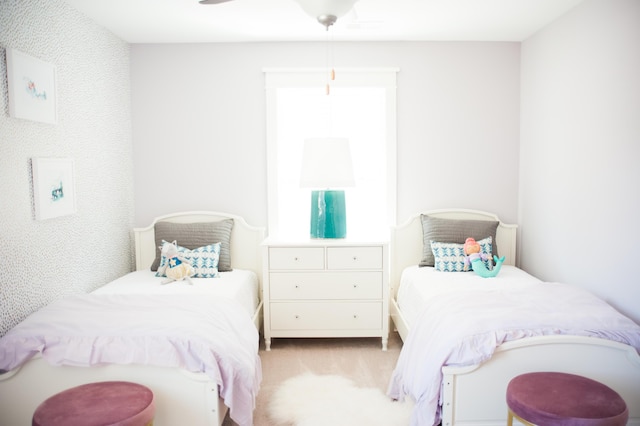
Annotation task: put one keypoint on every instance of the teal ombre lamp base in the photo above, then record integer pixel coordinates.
(328, 214)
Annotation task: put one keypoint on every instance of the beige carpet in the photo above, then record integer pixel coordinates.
(358, 359)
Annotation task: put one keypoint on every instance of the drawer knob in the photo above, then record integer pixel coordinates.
(355, 317)
(297, 286)
(297, 316)
(355, 259)
(295, 259)
(355, 286)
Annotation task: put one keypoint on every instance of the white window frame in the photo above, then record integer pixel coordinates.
(276, 78)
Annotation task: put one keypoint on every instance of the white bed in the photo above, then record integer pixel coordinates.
(472, 391)
(181, 396)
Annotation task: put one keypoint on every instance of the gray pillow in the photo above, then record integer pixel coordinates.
(453, 231)
(195, 235)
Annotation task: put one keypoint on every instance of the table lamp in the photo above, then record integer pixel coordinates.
(327, 168)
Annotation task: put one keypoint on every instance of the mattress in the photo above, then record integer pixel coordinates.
(240, 285)
(420, 285)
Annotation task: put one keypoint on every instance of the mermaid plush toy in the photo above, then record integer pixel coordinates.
(476, 258)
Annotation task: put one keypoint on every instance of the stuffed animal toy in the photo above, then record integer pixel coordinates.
(476, 258)
(176, 268)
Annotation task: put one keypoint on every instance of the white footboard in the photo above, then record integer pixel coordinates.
(476, 395)
(181, 398)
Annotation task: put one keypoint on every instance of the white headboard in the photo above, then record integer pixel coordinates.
(406, 243)
(245, 239)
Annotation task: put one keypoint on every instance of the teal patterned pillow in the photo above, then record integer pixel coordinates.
(203, 259)
(449, 257)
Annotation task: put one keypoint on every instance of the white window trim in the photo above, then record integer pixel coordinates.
(277, 78)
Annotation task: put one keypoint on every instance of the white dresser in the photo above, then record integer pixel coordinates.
(325, 288)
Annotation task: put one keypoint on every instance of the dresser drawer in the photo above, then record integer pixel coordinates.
(354, 257)
(296, 258)
(325, 286)
(326, 316)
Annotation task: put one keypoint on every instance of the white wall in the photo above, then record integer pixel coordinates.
(199, 123)
(44, 260)
(198, 129)
(580, 146)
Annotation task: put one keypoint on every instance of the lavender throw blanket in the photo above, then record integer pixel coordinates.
(198, 334)
(464, 328)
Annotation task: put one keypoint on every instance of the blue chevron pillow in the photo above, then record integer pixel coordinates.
(449, 257)
(203, 259)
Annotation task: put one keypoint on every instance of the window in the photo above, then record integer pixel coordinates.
(361, 107)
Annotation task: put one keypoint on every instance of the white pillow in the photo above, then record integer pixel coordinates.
(449, 257)
(203, 259)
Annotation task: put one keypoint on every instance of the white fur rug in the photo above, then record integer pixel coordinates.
(311, 400)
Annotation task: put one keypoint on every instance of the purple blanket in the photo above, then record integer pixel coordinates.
(199, 334)
(464, 328)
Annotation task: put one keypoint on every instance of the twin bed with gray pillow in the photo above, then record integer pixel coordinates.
(195, 345)
(466, 336)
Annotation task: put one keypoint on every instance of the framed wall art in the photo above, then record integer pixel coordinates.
(32, 87)
(53, 187)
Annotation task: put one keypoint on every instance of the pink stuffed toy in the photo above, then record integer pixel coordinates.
(476, 258)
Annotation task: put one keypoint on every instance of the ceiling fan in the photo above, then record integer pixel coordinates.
(326, 12)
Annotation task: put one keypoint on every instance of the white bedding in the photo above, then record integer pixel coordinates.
(204, 327)
(418, 285)
(465, 319)
(199, 334)
(240, 285)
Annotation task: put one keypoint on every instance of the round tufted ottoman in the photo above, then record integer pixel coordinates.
(546, 398)
(102, 403)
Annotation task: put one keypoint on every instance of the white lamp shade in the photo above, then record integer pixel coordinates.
(326, 163)
(317, 8)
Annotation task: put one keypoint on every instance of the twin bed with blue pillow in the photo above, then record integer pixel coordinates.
(465, 336)
(194, 344)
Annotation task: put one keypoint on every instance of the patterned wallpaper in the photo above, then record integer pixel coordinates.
(45, 260)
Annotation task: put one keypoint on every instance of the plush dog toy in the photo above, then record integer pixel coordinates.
(176, 268)
(476, 259)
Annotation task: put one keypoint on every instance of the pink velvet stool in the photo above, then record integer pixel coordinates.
(564, 399)
(98, 404)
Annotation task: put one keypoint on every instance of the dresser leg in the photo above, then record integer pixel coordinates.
(385, 341)
(267, 344)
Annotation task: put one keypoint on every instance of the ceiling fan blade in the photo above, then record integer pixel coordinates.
(213, 1)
